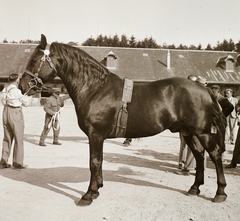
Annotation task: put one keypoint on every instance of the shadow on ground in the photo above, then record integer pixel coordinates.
(52, 178)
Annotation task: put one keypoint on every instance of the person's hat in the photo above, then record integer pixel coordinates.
(229, 89)
(202, 80)
(192, 77)
(215, 87)
(56, 90)
(12, 77)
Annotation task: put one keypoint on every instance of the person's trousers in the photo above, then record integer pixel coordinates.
(13, 127)
(231, 130)
(47, 126)
(236, 151)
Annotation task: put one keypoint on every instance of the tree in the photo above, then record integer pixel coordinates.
(29, 41)
(99, 41)
(225, 45)
(147, 43)
(73, 43)
(5, 40)
(172, 46)
(192, 47)
(209, 47)
(116, 41)
(199, 47)
(182, 47)
(124, 41)
(89, 42)
(132, 42)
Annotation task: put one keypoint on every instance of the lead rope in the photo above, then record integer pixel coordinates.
(54, 119)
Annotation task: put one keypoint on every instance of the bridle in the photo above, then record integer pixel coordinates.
(35, 80)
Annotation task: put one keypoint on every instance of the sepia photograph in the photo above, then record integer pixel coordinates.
(119, 110)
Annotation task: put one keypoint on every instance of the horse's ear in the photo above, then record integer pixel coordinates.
(43, 42)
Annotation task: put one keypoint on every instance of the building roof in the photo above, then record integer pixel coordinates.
(138, 63)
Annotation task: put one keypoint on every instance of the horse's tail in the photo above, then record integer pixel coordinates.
(219, 121)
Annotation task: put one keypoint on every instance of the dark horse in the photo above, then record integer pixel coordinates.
(177, 104)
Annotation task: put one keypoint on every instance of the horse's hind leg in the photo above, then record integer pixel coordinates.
(197, 150)
(216, 156)
(215, 153)
(96, 180)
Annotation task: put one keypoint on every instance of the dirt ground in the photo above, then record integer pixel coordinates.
(139, 180)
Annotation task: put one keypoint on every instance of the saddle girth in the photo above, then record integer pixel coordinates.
(123, 113)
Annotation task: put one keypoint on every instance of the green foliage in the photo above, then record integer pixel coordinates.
(148, 42)
(123, 41)
(225, 45)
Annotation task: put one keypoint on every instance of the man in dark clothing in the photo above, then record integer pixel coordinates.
(236, 152)
(225, 104)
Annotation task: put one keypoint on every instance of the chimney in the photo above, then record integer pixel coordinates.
(168, 60)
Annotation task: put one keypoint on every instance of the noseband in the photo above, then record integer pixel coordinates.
(35, 80)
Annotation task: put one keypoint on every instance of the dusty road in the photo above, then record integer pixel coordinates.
(139, 180)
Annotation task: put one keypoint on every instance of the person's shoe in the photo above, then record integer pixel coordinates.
(180, 166)
(4, 166)
(231, 165)
(20, 166)
(183, 172)
(56, 143)
(127, 142)
(42, 144)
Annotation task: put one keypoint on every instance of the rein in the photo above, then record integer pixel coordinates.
(35, 81)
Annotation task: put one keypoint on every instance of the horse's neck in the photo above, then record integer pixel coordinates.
(81, 91)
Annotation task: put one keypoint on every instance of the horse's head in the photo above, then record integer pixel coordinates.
(40, 69)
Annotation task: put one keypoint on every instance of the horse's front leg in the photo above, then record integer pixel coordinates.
(199, 177)
(96, 180)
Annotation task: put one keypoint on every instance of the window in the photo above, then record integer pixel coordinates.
(111, 61)
(229, 63)
(229, 66)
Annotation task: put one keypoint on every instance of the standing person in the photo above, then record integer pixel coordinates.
(231, 129)
(13, 123)
(52, 109)
(186, 161)
(224, 103)
(236, 152)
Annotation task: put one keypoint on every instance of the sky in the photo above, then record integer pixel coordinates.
(187, 22)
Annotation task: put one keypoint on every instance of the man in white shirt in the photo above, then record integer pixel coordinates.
(231, 130)
(13, 123)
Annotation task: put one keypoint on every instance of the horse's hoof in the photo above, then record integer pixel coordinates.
(193, 192)
(95, 195)
(219, 198)
(83, 202)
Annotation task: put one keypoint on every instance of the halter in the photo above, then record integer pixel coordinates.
(33, 83)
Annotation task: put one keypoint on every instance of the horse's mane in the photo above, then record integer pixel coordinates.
(77, 63)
